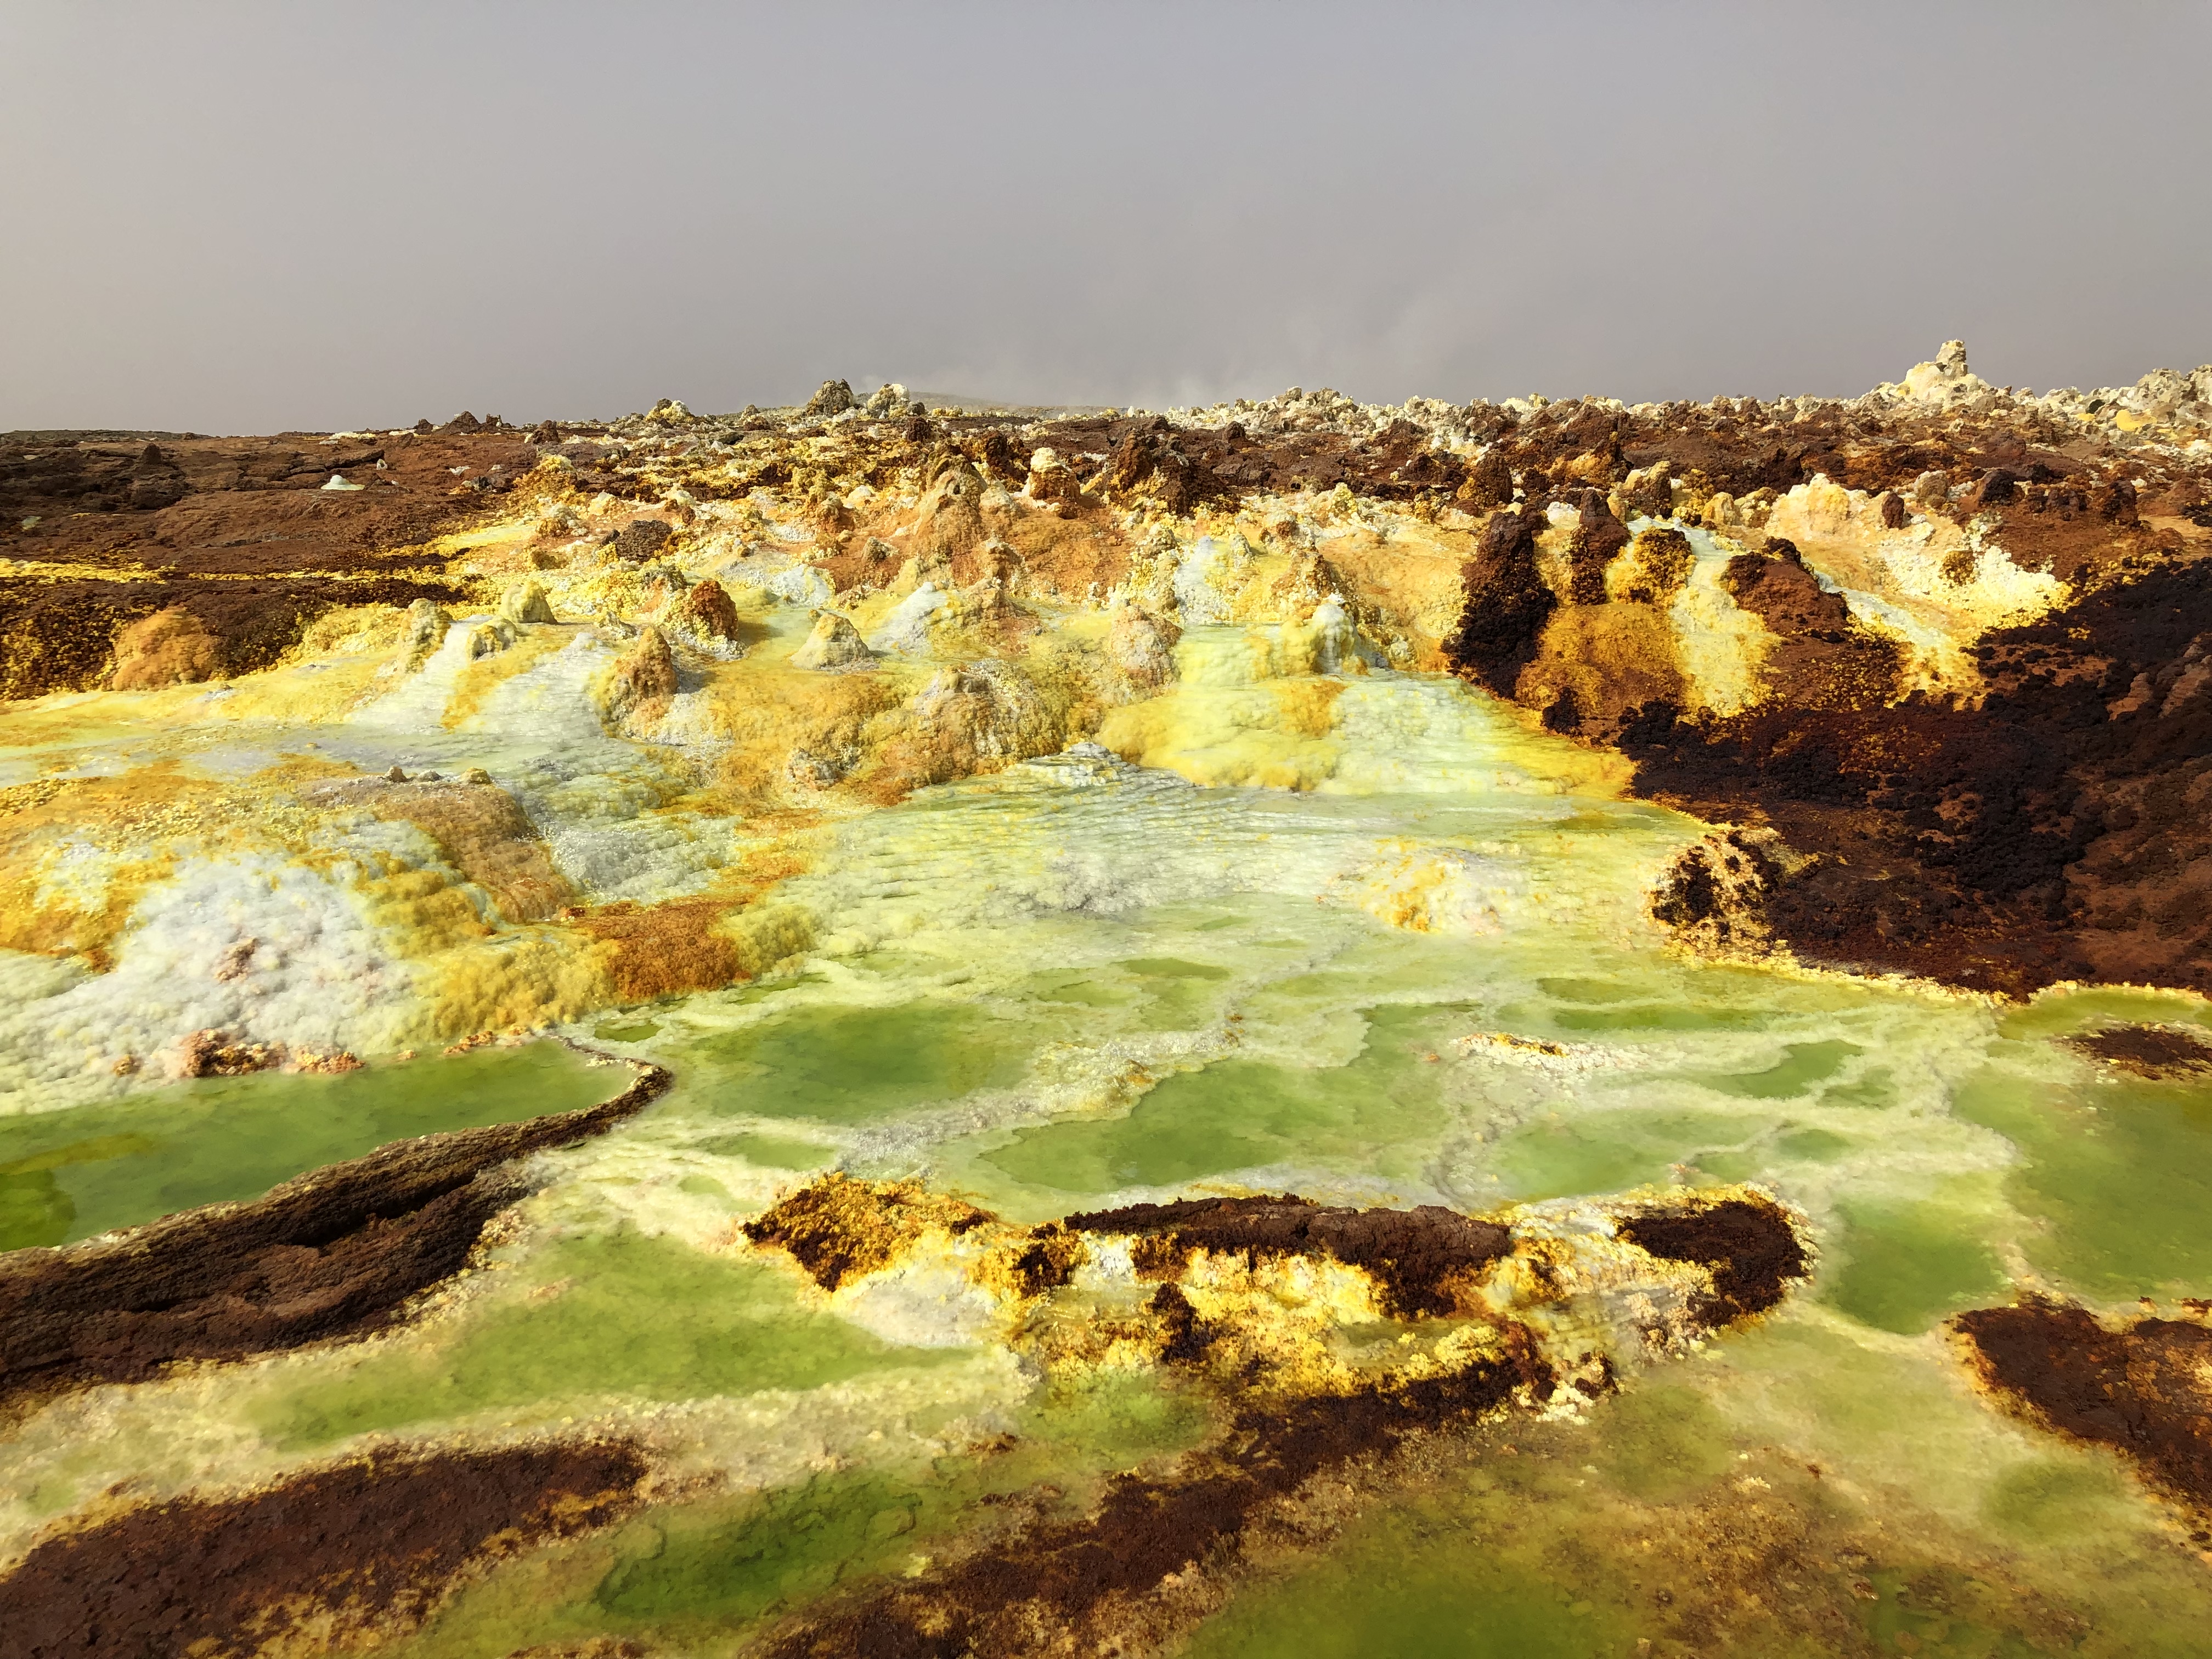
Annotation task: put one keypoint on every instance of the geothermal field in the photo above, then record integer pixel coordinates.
(893, 1028)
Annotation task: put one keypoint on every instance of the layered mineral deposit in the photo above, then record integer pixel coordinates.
(878, 1028)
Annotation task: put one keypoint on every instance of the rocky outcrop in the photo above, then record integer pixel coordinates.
(948, 521)
(703, 614)
(170, 647)
(642, 682)
(526, 602)
(1508, 603)
(360, 1550)
(1052, 482)
(332, 1254)
(834, 398)
(834, 643)
(1090, 1579)
(640, 540)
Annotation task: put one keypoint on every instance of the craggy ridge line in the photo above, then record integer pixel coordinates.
(1121, 1573)
(333, 1253)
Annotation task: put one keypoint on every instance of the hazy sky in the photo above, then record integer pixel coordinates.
(239, 217)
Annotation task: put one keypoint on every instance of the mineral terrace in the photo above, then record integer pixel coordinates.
(1222, 1024)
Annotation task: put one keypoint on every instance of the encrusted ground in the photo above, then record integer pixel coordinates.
(332, 749)
(1942, 639)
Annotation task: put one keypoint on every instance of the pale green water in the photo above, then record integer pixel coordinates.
(1051, 997)
(618, 1314)
(68, 1174)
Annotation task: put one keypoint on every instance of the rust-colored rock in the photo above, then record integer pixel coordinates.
(2158, 1052)
(170, 647)
(640, 540)
(705, 612)
(1507, 603)
(1055, 1586)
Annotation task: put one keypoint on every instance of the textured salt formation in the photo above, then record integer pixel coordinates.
(1093, 817)
(1246, 1293)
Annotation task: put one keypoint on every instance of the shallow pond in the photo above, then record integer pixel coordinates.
(1428, 977)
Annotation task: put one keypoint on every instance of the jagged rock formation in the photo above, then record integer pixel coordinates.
(834, 643)
(1942, 641)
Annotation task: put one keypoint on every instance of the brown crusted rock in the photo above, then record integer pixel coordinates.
(170, 647)
(1750, 1248)
(640, 540)
(331, 1254)
(369, 1545)
(948, 521)
(156, 480)
(216, 1053)
(1507, 603)
(1714, 893)
(1824, 660)
(1052, 482)
(834, 398)
(1416, 1257)
(1150, 462)
(1041, 1589)
(2159, 1051)
(2140, 1387)
(1489, 482)
(1993, 489)
(1048, 1260)
(994, 453)
(1597, 538)
(2114, 499)
(705, 612)
(839, 1228)
(834, 643)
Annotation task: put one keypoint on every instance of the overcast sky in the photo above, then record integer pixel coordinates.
(233, 217)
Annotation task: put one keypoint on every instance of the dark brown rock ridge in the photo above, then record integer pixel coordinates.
(1414, 1255)
(331, 1254)
(2158, 1052)
(2048, 822)
(1749, 1249)
(1066, 1586)
(364, 1546)
(2139, 1386)
(1111, 1578)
